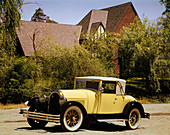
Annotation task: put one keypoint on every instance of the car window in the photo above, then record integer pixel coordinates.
(83, 84)
(109, 86)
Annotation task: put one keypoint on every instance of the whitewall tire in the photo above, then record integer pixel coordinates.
(133, 119)
(72, 118)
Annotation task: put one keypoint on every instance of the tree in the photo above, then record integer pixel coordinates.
(61, 65)
(105, 48)
(141, 50)
(166, 3)
(39, 16)
(9, 21)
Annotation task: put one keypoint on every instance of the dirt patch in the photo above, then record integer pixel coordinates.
(11, 106)
(156, 114)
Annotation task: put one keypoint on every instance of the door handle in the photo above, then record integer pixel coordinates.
(115, 101)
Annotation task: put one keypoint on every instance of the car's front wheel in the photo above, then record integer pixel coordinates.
(35, 123)
(133, 119)
(72, 118)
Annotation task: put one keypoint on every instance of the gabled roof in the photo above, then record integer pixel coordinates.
(59, 33)
(110, 17)
(92, 17)
(115, 14)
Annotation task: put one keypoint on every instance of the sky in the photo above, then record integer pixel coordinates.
(73, 11)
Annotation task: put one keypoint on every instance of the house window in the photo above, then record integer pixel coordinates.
(100, 32)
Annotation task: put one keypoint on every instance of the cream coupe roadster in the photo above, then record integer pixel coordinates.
(93, 98)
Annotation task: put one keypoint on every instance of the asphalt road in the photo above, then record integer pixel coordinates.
(12, 123)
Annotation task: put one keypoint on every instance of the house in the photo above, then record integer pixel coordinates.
(110, 19)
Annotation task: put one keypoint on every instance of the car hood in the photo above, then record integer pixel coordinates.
(77, 94)
(83, 96)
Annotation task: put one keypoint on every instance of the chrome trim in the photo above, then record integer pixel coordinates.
(42, 116)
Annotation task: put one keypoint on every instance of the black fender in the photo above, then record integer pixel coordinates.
(32, 102)
(129, 106)
(71, 103)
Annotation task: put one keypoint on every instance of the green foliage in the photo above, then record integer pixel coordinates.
(166, 3)
(15, 86)
(103, 47)
(143, 50)
(10, 20)
(39, 16)
(61, 65)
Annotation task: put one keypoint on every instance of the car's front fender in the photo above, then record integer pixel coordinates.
(33, 101)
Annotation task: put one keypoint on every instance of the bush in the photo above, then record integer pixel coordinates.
(15, 86)
(61, 65)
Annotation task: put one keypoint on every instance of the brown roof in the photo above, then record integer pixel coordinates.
(115, 14)
(92, 17)
(110, 17)
(58, 33)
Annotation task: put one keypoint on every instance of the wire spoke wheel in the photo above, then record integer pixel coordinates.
(72, 118)
(134, 119)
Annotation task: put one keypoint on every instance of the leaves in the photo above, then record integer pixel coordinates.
(62, 65)
(104, 48)
(141, 52)
(10, 20)
(39, 16)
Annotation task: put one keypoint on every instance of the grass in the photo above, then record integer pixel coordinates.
(154, 100)
(12, 106)
(145, 101)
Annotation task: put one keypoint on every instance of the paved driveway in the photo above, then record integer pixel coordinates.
(12, 123)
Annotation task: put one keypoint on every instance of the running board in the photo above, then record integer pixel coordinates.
(112, 120)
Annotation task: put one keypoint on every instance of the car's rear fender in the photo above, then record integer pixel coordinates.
(129, 106)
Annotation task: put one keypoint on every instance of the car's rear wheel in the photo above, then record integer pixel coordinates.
(72, 118)
(133, 119)
(36, 123)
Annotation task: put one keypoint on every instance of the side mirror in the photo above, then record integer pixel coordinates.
(102, 90)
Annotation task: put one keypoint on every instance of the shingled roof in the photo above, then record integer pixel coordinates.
(59, 33)
(93, 16)
(115, 14)
(109, 17)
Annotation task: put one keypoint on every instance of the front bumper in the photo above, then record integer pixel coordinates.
(146, 115)
(40, 116)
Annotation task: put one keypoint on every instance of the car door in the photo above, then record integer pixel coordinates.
(107, 98)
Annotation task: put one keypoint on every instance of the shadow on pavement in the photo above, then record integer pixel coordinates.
(102, 126)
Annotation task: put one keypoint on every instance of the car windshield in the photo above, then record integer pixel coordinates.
(84, 84)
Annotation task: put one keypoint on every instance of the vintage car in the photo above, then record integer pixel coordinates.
(93, 98)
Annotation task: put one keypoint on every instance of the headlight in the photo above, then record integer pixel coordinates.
(62, 95)
(26, 103)
(42, 98)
